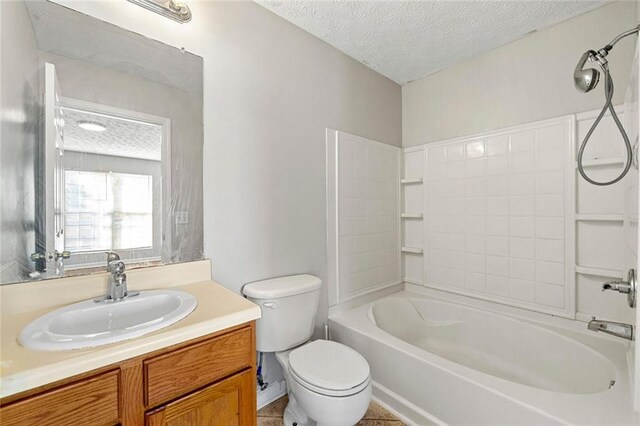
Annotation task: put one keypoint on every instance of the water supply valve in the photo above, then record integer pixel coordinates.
(625, 287)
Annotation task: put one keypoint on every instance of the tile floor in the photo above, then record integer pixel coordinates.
(271, 415)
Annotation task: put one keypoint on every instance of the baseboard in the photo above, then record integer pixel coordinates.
(409, 413)
(271, 393)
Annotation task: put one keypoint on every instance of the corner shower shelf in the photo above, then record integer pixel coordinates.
(411, 215)
(412, 250)
(584, 217)
(409, 181)
(599, 162)
(614, 273)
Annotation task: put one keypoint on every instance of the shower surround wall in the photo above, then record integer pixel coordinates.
(499, 222)
(508, 219)
(363, 211)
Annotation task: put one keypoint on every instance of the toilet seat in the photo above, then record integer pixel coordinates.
(329, 368)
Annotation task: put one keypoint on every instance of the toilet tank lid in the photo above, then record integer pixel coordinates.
(282, 286)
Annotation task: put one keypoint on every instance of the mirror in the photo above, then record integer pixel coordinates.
(101, 145)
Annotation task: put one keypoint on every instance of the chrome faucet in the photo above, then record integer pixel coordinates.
(117, 289)
(627, 287)
(617, 329)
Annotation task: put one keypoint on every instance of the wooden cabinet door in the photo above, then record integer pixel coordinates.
(230, 402)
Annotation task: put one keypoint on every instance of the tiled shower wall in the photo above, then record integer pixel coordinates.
(499, 221)
(606, 221)
(366, 194)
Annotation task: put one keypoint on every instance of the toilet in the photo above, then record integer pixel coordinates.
(328, 383)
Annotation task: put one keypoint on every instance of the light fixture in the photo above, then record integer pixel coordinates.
(172, 9)
(92, 126)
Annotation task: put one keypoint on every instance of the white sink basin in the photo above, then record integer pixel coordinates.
(88, 324)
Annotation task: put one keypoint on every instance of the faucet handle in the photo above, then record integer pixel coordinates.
(625, 287)
(111, 256)
(116, 266)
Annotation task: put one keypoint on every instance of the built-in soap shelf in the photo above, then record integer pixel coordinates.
(412, 250)
(600, 272)
(589, 217)
(411, 181)
(411, 215)
(601, 162)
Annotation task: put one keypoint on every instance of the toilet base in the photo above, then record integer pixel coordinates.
(293, 414)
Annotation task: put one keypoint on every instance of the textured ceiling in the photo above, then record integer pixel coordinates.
(123, 138)
(406, 40)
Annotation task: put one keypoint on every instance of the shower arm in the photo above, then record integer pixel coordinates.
(623, 35)
(602, 53)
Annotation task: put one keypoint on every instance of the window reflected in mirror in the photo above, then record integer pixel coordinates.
(113, 184)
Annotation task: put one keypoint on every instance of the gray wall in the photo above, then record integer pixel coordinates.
(273, 90)
(87, 82)
(528, 80)
(270, 91)
(18, 135)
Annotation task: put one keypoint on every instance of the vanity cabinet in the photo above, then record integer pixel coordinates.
(225, 403)
(205, 381)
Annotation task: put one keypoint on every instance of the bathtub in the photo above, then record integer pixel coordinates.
(438, 362)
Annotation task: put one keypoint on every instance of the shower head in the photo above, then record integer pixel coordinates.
(585, 80)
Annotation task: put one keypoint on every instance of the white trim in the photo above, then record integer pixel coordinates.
(603, 162)
(411, 181)
(111, 111)
(272, 393)
(590, 217)
(411, 250)
(333, 236)
(411, 215)
(570, 249)
(633, 92)
(600, 272)
(376, 143)
(588, 115)
(413, 149)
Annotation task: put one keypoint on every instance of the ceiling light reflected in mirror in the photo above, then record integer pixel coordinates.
(92, 126)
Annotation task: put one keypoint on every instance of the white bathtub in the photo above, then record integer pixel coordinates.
(438, 362)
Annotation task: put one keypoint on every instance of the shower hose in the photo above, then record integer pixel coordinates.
(608, 91)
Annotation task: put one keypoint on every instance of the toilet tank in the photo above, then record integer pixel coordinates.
(289, 306)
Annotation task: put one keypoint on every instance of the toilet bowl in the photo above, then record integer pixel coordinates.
(328, 384)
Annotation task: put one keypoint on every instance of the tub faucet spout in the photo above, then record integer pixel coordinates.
(618, 329)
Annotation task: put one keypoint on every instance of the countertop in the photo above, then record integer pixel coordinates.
(22, 369)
